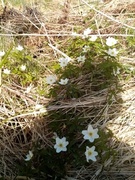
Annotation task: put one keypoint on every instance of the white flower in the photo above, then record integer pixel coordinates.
(90, 153)
(29, 156)
(93, 38)
(112, 52)
(74, 34)
(116, 71)
(51, 79)
(131, 69)
(42, 24)
(81, 59)
(86, 32)
(40, 108)
(61, 144)
(29, 88)
(22, 67)
(63, 81)
(63, 61)
(19, 48)
(110, 41)
(90, 134)
(6, 71)
(86, 48)
(2, 53)
(84, 14)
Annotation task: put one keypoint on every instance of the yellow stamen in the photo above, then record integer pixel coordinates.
(60, 145)
(90, 133)
(89, 153)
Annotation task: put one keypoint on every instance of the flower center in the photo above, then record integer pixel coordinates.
(61, 145)
(90, 133)
(89, 153)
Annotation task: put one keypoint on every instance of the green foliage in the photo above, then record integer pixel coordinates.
(99, 68)
(13, 60)
(46, 163)
(104, 147)
(4, 59)
(43, 165)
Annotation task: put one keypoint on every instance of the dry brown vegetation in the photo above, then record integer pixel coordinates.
(21, 124)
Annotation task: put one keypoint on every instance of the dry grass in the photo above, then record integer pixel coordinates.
(21, 124)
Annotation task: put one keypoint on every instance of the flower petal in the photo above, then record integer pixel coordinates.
(90, 128)
(84, 132)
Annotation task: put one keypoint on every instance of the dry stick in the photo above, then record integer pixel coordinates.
(30, 21)
(3, 4)
(62, 35)
(9, 30)
(23, 97)
(109, 17)
(60, 52)
(99, 31)
(43, 25)
(24, 115)
(52, 108)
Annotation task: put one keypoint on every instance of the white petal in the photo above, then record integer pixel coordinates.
(93, 38)
(86, 136)
(66, 143)
(55, 146)
(91, 139)
(27, 159)
(93, 148)
(93, 158)
(19, 48)
(90, 128)
(2, 53)
(84, 132)
(95, 135)
(30, 154)
(58, 140)
(64, 149)
(63, 139)
(58, 150)
(95, 153)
